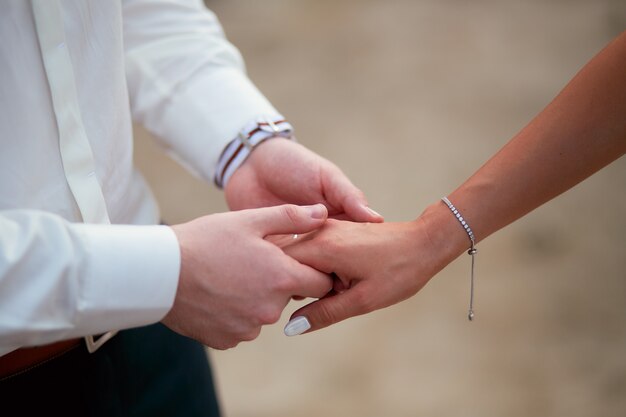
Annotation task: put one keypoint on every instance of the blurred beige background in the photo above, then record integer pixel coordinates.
(409, 98)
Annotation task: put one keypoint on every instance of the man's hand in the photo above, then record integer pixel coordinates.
(233, 281)
(280, 171)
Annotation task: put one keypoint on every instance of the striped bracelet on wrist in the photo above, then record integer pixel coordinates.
(254, 133)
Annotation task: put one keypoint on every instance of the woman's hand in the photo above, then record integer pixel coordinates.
(376, 265)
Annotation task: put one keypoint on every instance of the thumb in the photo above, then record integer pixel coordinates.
(287, 219)
(358, 210)
(326, 311)
(344, 195)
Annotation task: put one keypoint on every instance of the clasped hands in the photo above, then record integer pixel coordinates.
(240, 269)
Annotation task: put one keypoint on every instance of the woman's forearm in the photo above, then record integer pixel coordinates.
(581, 131)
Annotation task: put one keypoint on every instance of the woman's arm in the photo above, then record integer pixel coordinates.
(581, 131)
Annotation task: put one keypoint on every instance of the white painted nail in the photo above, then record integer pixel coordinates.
(297, 325)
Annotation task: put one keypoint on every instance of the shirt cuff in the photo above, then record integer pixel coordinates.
(198, 125)
(134, 276)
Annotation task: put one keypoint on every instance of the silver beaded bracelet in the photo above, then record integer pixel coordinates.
(472, 251)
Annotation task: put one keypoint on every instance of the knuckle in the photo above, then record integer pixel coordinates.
(352, 195)
(223, 344)
(251, 334)
(292, 212)
(269, 316)
(329, 235)
(325, 316)
(283, 283)
(364, 303)
(328, 243)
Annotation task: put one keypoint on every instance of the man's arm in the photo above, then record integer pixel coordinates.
(186, 81)
(60, 280)
(215, 279)
(188, 86)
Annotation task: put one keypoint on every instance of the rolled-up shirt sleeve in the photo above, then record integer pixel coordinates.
(187, 83)
(60, 280)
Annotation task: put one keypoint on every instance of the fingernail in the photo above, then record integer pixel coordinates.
(318, 211)
(297, 325)
(374, 212)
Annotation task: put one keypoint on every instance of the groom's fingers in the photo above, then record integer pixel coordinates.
(330, 310)
(342, 194)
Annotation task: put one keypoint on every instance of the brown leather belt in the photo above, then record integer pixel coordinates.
(21, 360)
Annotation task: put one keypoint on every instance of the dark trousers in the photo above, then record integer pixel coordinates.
(150, 371)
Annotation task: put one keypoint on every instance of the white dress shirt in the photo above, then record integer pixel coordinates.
(69, 91)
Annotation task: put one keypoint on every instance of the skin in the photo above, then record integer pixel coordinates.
(226, 294)
(233, 280)
(280, 171)
(581, 131)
